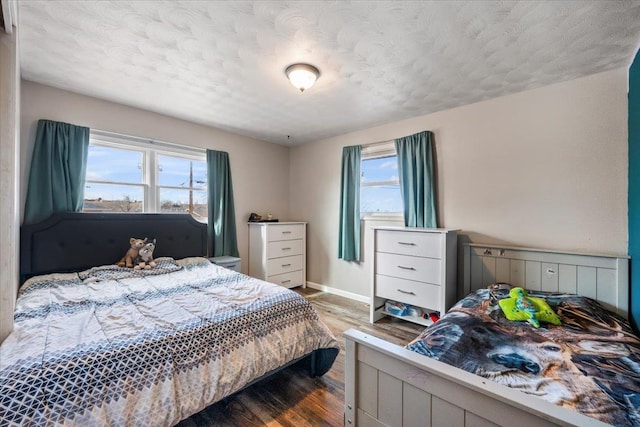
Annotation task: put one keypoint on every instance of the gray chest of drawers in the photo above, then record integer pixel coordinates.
(415, 266)
(277, 252)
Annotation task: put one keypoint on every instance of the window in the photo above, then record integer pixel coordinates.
(182, 185)
(126, 175)
(379, 182)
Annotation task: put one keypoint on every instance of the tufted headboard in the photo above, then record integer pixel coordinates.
(74, 241)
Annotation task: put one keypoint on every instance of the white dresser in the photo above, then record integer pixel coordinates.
(415, 266)
(277, 252)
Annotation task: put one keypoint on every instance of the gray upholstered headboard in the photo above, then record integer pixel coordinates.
(73, 241)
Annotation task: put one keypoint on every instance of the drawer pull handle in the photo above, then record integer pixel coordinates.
(285, 281)
(286, 232)
(286, 265)
(406, 292)
(286, 249)
(406, 268)
(407, 243)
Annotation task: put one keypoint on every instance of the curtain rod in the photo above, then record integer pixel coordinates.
(110, 134)
(384, 142)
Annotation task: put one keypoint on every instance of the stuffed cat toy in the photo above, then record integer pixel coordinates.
(128, 259)
(144, 260)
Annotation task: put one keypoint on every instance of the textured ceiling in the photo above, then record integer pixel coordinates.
(222, 63)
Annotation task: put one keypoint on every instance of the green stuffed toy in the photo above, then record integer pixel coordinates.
(520, 306)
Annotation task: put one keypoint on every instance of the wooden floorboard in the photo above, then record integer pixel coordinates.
(291, 398)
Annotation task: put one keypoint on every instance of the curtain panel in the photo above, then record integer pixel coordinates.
(349, 232)
(222, 218)
(417, 182)
(58, 169)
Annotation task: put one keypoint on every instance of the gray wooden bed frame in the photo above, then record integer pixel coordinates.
(387, 385)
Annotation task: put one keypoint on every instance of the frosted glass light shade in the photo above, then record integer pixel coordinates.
(302, 76)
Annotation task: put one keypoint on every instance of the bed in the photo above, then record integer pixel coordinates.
(97, 344)
(386, 384)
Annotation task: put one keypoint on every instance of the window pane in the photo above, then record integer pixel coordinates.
(380, 169)
(181, 172)
(112, 198)
(381, 199)
(179, 201)
(114, 164)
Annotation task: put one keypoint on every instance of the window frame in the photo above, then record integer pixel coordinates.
(378, 151)
(150, 150)
(155, 166)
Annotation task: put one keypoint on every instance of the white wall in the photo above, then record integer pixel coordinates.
(543, 168)
(260, 170)
(9, 192)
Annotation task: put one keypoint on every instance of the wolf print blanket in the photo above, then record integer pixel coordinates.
(590, 364)
(114, 347)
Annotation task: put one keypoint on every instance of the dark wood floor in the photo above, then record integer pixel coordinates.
(291, 397)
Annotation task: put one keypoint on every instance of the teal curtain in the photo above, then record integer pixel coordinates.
(222, 217)
(349, 233)
(417, 182)
(58, 168)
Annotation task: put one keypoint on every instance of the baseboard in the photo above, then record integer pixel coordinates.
(339, 292)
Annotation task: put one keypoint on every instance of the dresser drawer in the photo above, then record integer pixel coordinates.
(277, 232)
(284, 248)
(288, 280)
(409, 267)
(284, 265)
(408, 291)
(410, 243)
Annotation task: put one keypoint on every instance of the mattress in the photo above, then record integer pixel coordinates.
(590, 363)
(115, 346)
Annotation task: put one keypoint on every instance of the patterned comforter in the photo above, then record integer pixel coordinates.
(590, 364)
(114, 346)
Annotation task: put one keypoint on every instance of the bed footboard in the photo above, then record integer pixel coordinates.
(386, 384)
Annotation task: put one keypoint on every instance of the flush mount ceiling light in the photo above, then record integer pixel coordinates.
(302, 76)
